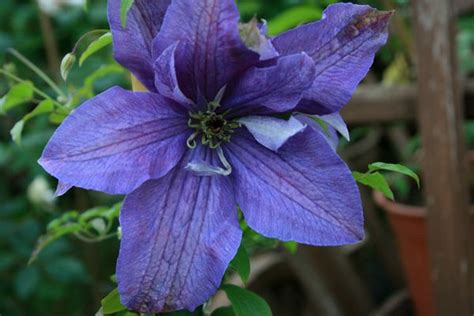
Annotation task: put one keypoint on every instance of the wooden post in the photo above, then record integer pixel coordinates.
(444, 163)
(462, 6)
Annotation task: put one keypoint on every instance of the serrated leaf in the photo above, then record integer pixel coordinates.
(395, 168)
(246, 303)
(125, 6)
(376, 181)
(18, 94)
(241, 263)
(16, 131)
(111, 303)
(95, 46)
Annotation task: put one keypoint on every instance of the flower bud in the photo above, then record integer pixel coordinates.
(66, 65)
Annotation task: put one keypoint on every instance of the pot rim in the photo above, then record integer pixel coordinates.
(398, 208)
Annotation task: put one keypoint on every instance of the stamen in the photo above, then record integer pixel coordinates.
(191, 141)
(228, 168)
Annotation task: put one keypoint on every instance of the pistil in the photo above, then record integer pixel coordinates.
(212, 126)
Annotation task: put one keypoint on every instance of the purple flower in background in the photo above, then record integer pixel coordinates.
(205, 140)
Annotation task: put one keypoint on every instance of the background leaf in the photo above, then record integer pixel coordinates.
(18, 94)
(95, 46)
(395, 168)
(241, 264)
(246, 303)
(224, 311)
(376, 181)
(292, 18)
(111, 303)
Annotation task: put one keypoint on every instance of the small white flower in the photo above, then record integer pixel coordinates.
(54, 6)
(40, 193)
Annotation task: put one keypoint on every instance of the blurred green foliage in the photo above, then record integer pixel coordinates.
(69, 277)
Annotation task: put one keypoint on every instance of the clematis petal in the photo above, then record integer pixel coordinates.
(62, 189)
(272, 132)
(179, 234)
(117, 141)
(329, 132)
(276, 88)
(210, 52)
(342, 45)
(305, 192)
(337, 122)
(166, 81)
(133, 44)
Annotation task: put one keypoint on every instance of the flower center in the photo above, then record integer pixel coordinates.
(212, 126)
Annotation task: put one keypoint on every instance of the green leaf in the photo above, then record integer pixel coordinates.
(45, 106)
(95, 46)
(18, 94)
(224, 311)
(246, 303)
(395, 168)
(54, 235)
(125, 6)
(291, 246)
(293, 17)
(16, 131)
(111, 303)
(59, 115)
(241, 264)
(376, 181)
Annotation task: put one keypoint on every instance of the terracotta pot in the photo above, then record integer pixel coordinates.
(409, 225)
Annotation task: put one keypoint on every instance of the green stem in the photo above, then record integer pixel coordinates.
(37, 71)
(94, 240)
(38, 91)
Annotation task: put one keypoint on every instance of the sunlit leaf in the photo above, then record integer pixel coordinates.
(16, 131)
(125, 6)
(84, 223)
(59, 115)
(376, 181)
(291, 246)
(95, 46)
(293, 17)
(245, 303)
(111, 303)
(51, 236)
(377, 166)
(241, 264)
(18, 94)
(46, 106)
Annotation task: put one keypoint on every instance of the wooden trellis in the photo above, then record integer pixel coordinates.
(436, 103)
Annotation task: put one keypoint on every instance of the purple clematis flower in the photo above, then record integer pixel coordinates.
(205, 140)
